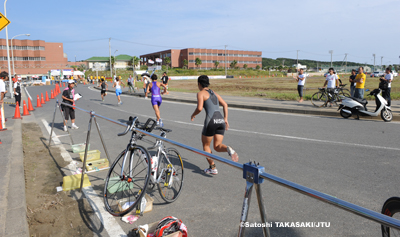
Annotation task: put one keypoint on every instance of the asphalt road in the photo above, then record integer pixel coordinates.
(356, 161)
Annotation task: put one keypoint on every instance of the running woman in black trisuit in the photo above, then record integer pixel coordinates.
(215, 124)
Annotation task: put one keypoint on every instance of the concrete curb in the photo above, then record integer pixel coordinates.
(267, 108)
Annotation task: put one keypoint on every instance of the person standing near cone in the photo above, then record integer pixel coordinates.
(3, 91)
(68, 98)
(17, 91)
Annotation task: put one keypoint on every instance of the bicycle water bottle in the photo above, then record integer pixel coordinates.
(154, 163)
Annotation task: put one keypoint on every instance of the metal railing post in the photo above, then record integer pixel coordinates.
(251, 172)
(245, 208)
(262, 209)
(86, 148)
(101, 137)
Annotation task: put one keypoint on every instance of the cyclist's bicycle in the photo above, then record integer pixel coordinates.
(167, 169)
(323, 96)
(391, 208)
(128, 177)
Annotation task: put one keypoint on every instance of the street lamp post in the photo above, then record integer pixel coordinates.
(331, 52)
(8, 54)
(114, 62)
(12, 51)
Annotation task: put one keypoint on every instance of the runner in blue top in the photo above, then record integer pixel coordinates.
(156, 99)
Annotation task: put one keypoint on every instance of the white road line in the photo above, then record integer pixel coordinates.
(110, 224)
(269, 134)
(28, 93)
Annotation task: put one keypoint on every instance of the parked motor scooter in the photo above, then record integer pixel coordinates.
(354, 106)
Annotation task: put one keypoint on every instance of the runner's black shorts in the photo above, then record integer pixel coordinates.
(214, 126)
(69, 112)
(102, 92)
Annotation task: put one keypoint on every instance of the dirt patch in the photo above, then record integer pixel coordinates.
(50, 213)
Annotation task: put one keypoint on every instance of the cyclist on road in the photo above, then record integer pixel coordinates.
(156, 99)
(215, 124)
(118, 90)
(104, 89)
(331, 81)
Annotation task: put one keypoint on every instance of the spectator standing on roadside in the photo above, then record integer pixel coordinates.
(3, 91)
(17, 91)
(331, 81)
(301, 79)
(68, 97)
(360, 83)
(165, 80)
(131, 83)
(386, 93)
(353, 82)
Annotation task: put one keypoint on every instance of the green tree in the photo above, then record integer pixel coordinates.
(258, 67)
(135, 61)
(185, 63)
(216, 64)
(198, 62)
(280, 68)
(74, 67)
(167, 61)
(245, 66)
(144, 67)
(233, 64)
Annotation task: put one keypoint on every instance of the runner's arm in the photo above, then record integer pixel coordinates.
(326, 82)
(199, 108)
(65, 98)
(225, 107)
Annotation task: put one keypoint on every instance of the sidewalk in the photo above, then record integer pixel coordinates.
(265, 104)
(12, 188)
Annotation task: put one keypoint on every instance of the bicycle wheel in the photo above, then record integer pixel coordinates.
(170, 175)
(344, 92)
(319, 99)
(391, 208)
(122, 194)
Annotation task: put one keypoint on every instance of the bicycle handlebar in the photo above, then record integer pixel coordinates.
(133, 121)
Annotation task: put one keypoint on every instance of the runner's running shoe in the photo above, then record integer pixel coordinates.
(232, 153)
(211, 171)
(161, 123)
(65, 129)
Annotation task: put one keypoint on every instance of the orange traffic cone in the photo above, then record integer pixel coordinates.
(42, 101)
(52, 95)
(17, 114)
(47, 96)
(30, 107)
(38, 104)
(64, 84)
(25, 111)
(1, 123)
(84, 83)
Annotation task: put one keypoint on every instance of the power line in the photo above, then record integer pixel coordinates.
(81, 41)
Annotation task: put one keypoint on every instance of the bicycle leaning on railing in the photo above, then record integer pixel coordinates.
(324, 96)
(126, 183)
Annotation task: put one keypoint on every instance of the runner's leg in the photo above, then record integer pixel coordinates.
(218, 146)
(157, 111)
(206, 147)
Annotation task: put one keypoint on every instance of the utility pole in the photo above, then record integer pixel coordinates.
(8, 57)
(331, 52)
(374, 61)
(226, 72)
(109, 49)
(297, 58)
(381, 62)
(345, 70)
(283, 62)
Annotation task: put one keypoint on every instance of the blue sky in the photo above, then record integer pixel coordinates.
(277, 28)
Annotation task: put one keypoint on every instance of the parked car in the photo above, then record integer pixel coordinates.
(395, 74)
(377, 74)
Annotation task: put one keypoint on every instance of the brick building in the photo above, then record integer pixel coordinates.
(207, 56)
(34, 57)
